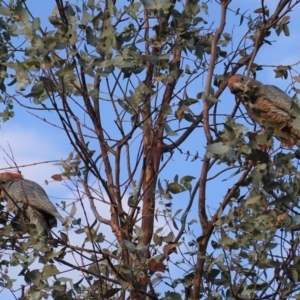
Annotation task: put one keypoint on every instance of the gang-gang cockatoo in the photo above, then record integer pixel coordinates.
(27, 199)
(267, 105)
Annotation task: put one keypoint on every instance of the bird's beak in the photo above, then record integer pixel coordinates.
(237, 85)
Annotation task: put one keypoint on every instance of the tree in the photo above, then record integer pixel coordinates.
(136, 88)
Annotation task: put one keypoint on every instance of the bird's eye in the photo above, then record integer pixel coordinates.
(3, 181)
(242, 78)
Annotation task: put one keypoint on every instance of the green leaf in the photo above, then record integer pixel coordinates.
(286, 30)
(66, 71)
(169, 131)
(218, 148)
(34, 277)
(175, 225)
(36, 23)
(252, 200)
(111, 292)
(178, 211)
(5, 11)
(64, 237)
(172, 296)
(169, 238)
(259, 10)
(187, 179)
(86, 17)
(132, 201)
(126, 107)
(175, 188)
(49, 270)
(247, 227)
(129, 246)
(91, 38)
(37, 87)
(73, 210)
(91, 4)
(210, 99)
(22, 13)
(188, 117)
(295, 274)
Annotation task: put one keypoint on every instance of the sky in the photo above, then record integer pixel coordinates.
(32, 141)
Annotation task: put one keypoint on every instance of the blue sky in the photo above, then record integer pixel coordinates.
(32, 140)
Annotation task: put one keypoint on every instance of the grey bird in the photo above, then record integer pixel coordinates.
(27, 199)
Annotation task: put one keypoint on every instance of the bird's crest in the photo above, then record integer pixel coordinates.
(9, 175)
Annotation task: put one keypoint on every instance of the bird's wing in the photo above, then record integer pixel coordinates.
(278, 97)
(46, 206)
(37, 198)
(35, 216)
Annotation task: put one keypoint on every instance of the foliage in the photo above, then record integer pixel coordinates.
(137, 89)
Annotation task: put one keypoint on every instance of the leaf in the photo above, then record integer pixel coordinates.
(57, 177)
(66, 71)
(233, 174)
(188, 117)
(172, 296)
(126, 107)
(178, 211)
(210, 99)
(187, 179)
(218, 148)
(73, 210)
(91, 234)
(132, 201)
(169, 238)
(261, 139)
(86, 17)
(169, 131)
(175, 225)
(175, 188)
(286, 30)
(22, 13)
(199, 95)
(64, 237)
(259, 10)
(156, 266)
(162, 192)
(111, 292)
(9, 282)
(294, 273)
(36, 23)
(5, 11)
(129, 246)
(34, 276)
(247, 227)
(176, 178)
(285, 19)
(296, 78)
(168, 248)
(252, 200)
(91, 4)
(100, 238)
(49, 270)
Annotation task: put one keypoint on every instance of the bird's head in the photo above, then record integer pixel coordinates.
(5, 179)
(242, 84)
